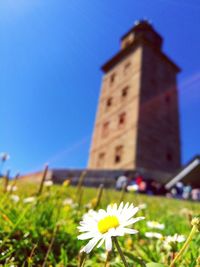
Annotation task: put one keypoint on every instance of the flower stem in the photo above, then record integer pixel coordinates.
(120, 251)
(122, 193)
(99, 196)
(80, 181)
(80, 197)
(186, 244)
(82, 259)
(107, 259)
(43, 179)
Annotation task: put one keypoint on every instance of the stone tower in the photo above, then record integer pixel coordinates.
(137, 121)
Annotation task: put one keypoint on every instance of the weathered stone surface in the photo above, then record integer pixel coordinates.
(150, 134)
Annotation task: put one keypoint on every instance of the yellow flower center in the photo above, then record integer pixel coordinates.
(107, 223)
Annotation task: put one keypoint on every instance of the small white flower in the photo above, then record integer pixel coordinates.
(15, 198)
(26, 234)
(11, 188)
(185, 212)
(142, 206)
(132, 188)
(29, 200)
(100, 226)
(153, 235)
(175, 238)
(88, 206)
(155, 225)
(48, 183)
(170, 241)
(68, 201)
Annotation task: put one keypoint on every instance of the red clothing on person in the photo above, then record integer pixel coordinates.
(138, 180)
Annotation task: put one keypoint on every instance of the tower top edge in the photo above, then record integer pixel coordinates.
(142, 25)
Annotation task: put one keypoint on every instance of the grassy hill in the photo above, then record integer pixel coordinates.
(42, 230)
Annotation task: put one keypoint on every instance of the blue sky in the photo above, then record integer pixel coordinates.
(50, 57)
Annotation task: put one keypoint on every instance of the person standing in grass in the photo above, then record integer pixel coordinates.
(121, 182)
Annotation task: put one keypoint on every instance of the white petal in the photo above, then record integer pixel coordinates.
(130, 231)
(126, 207)
(90, 245)
(120, 207)
(86, 236)
(108, 243)
(101, 242)
(114, 207)
(118, 232)
(109, 208)
(101, 213)
(130, 213)
(112, 232)
(132, 221)
(88, 228)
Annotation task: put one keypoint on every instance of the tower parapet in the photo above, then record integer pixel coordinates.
(142, 32)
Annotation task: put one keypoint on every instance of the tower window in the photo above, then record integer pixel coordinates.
(127, 67)
(101, 159)
(125, 92)
(109, 102)
(105, 129)
(118, 154)
(112, 78)
(169, 157)
(122, 119)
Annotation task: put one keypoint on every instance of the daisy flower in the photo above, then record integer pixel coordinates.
(68, 201)
(132, 188)
(142, 206)
(29, 199)
(100, 226)
(153, 235)
(11, 188)
(171, 241)
(15, 198)
(155, 225)
(48, 183)
(175, 239)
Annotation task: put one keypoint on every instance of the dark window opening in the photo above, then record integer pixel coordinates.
(109, 102)
(112, 78)
(125, 92)
(122, 119)
(118, 154)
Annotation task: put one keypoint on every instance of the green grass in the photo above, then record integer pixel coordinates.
(44, 232)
